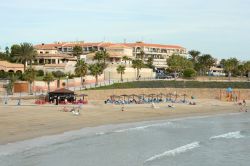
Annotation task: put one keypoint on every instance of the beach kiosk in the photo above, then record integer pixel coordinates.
(61, 96)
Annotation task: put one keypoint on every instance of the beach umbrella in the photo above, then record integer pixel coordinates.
(112, 97)
(82, 95)
(142, 95)
(229, 90)
(133, 96)
(124, 96)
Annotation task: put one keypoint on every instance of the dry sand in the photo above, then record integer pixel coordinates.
(29, 121)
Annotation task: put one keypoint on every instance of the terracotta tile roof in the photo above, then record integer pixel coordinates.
(142, 44)
(115, 54)
(118, 46)
(11, 65)
(48, 46)
(106, 44)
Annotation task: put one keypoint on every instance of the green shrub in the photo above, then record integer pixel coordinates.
(189, 73)
(40, 73)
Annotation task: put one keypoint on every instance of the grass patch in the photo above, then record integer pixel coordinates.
(176, 84)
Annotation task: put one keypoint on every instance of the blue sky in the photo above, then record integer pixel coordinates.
(218, 27)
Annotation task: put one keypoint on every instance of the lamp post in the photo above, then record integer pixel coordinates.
(67, 79)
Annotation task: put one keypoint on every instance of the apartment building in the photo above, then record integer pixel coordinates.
(159, 52)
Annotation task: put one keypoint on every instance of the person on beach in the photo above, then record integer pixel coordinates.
(243, 106)
(171, 106)
(123, 106)
(65, 109)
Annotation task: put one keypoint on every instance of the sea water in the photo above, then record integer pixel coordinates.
(221, 140)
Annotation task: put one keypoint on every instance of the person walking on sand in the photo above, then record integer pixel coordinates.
(243, 106)
(123, 106)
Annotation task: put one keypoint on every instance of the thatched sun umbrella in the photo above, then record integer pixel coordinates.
(142, 95)
(113, 97)
(83, 96)
(124, 96)
(133, 96)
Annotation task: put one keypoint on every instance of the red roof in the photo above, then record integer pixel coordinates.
(47, 46)
(106, 44)
(142, 44)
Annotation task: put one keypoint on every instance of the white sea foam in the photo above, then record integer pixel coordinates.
(229, 135)
(144, 127)
(175, 151)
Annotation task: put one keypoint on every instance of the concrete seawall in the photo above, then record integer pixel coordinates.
(197, 92)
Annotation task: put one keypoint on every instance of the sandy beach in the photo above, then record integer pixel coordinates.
(29, 121)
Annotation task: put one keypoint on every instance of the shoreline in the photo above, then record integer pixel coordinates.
(27, 122)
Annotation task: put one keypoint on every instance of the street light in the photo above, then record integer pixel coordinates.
(67, 78)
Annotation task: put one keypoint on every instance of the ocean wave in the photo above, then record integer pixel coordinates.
(144, 127)
(175, 151)
(236, 134)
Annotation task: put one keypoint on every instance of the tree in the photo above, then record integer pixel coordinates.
(48, 78)
(24, 53)
(230, 65)
(247, 68)
(77, 51)
(12, 79)
(241, 69)
(58, 74)
(142, 55)
(178, 63)
(98, 56)
(189, 73)
(194, 55)
(105, 56)
(137, 64)
(121, 70)
(125, 58)
(150, 62)
(7, 51)
(30, 76)
(101, 56)
(205, 62)
(96, 70)
(81, 69)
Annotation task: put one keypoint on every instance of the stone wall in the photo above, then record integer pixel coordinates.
(197, 93)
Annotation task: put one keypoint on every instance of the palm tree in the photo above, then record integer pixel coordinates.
(150, 62)
(105, 56)
(247, 68)
(30, 76)
(77, 51)
(137, 64)
(121, 70)
(81, 69)
(58, 74)
(194, 55)
(98, 56)
(12, 79)
(96, 70)
(24, 53)
(125, 58)
(48, 78)
(230, 65)
(205, 62)
(242, 70)
(141, 55)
